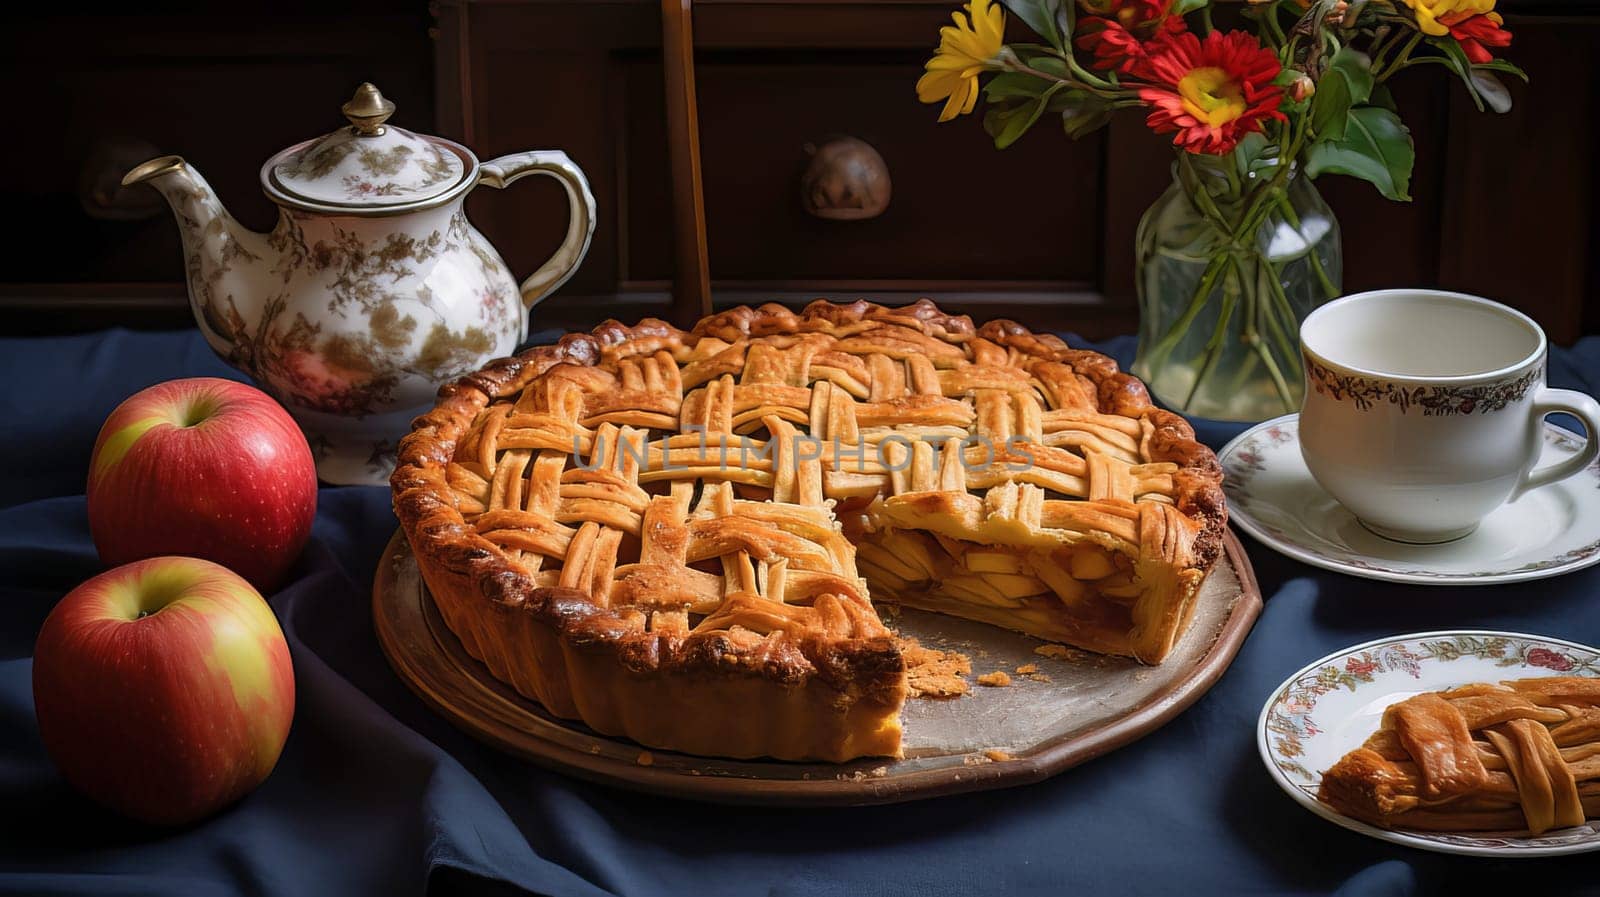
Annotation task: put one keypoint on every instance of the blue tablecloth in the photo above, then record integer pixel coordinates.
(376, 795)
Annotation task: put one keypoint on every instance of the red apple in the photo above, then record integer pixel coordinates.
(207, 468)
(163, 688)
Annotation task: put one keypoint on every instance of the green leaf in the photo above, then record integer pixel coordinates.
(1045, 17)
(1030, 49)
(1008, 122)
(1356, 66)
(1255, 153)
(1081, 112)
(1382, 98)
(1456, 59)
(1048, 63)
(1330, 106)
(1503, 65)
(1376, 148)
(1485, 89)
(1346, 83)
(996, 114)
(1013, 84)
(1494, 93)
(1184, 7)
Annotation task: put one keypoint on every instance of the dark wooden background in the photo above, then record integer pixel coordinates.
(1504, 205)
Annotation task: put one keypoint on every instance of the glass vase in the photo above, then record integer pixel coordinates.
(1231, 259)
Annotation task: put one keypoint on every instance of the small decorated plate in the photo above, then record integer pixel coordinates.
(1329, 708)
(1551, 530)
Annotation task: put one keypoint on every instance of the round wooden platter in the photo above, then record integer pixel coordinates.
(1071, 710)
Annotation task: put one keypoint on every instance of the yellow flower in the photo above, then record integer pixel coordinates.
(1429, 12)
(966, 50)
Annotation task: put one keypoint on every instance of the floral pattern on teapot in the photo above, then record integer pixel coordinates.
(378, 333)
(347, 169)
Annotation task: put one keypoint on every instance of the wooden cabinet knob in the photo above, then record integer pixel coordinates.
(847, 180)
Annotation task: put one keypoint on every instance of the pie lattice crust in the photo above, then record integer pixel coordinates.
(1524, 754)
(671, 535)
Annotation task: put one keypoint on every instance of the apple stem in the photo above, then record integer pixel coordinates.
(197, 411)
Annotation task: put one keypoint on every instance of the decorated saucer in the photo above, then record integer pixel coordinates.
(1272, 496)
(1329, 708)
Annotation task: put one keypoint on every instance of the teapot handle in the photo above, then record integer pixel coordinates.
(506, 170)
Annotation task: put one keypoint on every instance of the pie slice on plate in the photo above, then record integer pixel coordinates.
(676, 536)
(1524, 754)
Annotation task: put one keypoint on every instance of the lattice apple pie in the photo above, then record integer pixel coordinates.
(1522, 754)
(676, 536)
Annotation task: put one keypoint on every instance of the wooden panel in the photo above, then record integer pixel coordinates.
(1138, 170)
(549, 76)
(691, 283)
(214, 88)
(944, 221)
(1394, 244)
(1521, 186)
(644, 175)
(1504, 205)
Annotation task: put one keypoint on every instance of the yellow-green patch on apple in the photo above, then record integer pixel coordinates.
(115, 445)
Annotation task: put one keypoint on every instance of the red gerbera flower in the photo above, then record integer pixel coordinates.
(1475, 32)
(1119, 32)
(1211, 92)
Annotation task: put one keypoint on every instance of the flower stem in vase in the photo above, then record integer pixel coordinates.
(1281, 323)
(1252, 337)
(1247, 252)
(1329, 288)
(1230, 299)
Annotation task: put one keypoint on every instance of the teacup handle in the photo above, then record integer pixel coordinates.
(1586, 410)
(506, 170)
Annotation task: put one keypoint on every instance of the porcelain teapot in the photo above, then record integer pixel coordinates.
(373, 289)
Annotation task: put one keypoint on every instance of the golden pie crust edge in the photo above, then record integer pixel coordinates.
(705, 694)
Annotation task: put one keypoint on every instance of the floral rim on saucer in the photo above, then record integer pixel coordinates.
(1331, 706)
(1271, 495)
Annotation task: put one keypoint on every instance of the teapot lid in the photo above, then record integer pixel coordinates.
(368, 165)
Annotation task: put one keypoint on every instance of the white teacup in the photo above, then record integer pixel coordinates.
(1424, 410)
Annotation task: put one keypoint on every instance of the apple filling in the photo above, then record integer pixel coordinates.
(1083, 594)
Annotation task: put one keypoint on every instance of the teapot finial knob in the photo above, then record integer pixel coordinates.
(368, 110)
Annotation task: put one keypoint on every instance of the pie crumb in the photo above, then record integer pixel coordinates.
(880, 771)
(996, 679)
(1054, 652)
(997, 755)
(975, 761)
(1031, 670)
(644, 759)
(1072, 655)
(931, 673)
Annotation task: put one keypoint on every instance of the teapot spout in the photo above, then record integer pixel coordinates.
(224, 262)
(159, 167)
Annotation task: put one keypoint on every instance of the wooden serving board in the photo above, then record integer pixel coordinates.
(1071, 711)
